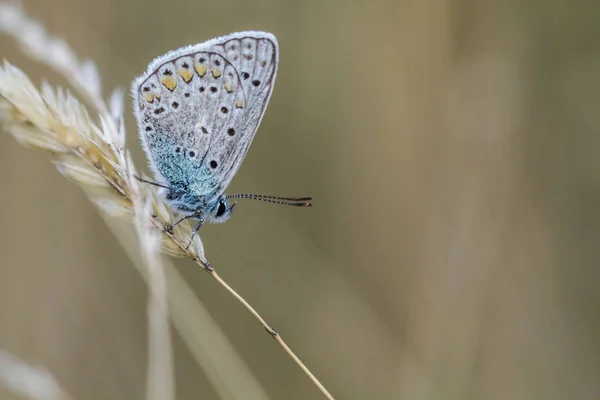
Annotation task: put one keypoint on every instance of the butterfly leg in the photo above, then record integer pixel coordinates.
(198, 225)
(197, 214)
(151, 183)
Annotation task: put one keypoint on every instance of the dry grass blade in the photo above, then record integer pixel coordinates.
(160, 382)
(28, 381)
(88, 153)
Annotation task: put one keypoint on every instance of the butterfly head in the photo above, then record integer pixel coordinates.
(220, 211)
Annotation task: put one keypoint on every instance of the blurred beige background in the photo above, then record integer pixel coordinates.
(452, 149)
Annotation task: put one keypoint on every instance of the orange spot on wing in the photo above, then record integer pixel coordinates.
(216, 72)
(169, 81)
(200, 69)
(186, 74)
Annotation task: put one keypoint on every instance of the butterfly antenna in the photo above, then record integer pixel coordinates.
(288, 201)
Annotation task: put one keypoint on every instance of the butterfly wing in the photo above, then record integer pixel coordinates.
(198, 108)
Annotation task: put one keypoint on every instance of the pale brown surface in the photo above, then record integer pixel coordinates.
(452, 149)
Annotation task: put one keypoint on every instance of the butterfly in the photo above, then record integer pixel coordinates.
(198, 109)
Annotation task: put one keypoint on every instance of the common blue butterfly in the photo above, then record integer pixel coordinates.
(198, 109)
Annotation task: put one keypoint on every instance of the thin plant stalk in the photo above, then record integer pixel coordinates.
(160, 383)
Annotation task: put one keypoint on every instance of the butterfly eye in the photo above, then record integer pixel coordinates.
(222, 209)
